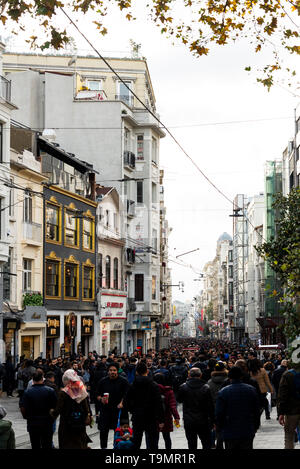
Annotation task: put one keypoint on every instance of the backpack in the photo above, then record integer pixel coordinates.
(178, 377)
(296, 384)
(75, 418)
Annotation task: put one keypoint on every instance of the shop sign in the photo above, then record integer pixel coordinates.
(87, 325)
(35, 313)
(117, 326)
(53, 326)
(104, 330)
(70, 325)
(113, 306)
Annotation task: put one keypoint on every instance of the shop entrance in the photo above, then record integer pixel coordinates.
(27, 347)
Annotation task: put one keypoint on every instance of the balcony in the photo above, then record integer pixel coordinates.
(130, 255)
(125, 98)
(5, 89)
(129, 159)
(32, 233)
(130, 208)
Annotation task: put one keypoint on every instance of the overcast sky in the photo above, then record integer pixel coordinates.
(191, 93)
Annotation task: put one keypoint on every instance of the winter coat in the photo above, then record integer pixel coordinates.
(287, 401)
(36, 403)
(68, 438)
(143, 400)
(263, 381)
(198, 406)
(117, 389)
(170, 407)
(7, 435)
(216, 383)
(238, 411)
(277, 374)
(179, 374)
(130, 372)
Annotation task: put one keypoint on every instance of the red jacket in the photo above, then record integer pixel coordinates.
(171, 407)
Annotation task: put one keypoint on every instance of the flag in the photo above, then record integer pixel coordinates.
(174, 310)
(202, 314)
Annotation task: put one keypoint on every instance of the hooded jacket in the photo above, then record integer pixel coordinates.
(144, 402)
(198, 407)
(7, 435)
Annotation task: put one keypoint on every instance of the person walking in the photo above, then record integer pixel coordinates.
(35, 405)
(277, 374)
(258, 373)
(179, 375)
(74, 410)
(143, 400)
(170, 410)
(218, 378)
(237, 412)
(198, 409)
(7, 434)
(109, 400)
(9, 377)
(288, 403)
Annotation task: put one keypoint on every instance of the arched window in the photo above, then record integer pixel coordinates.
(116, 273)
(107, 272)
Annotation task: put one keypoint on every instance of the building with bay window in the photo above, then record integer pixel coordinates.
(69, 252)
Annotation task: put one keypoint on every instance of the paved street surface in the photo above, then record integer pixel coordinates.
(270, 435)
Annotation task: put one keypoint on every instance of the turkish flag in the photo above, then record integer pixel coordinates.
(201, 328)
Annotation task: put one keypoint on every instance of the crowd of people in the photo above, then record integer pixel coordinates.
(222, 387)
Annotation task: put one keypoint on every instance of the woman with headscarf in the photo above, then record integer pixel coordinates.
(74, 410)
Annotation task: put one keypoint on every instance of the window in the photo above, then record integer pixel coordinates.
(230, 271)
(154, 193)
(71, 228)
(71, 280)
(11, 200)
(116, 227)
(1, 215)
(124, 93)
(153, 287)
(139, 287)
(140, 147)
(127, 146)
(100, 270)
(139, 192)
(107, 218)
(1, 143)
(154, 240)
(27, 207)
(6, 269)
(230, 256)
(27, 275)
(52, 278)
(154, 150)
(107, 272)
(53, 223)
(94, 85)
(116, 273)
(88, 282)
(88, 234)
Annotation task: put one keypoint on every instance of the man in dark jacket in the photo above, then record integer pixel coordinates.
(144, 402)
(179, 374)
(198, 409)
(238, 412)
(288, 403)
(35, 405)
(109, 407)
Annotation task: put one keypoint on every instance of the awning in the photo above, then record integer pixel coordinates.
(64, 156)
(273, 322)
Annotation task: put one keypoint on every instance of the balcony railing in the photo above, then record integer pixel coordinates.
(131, 208)
(129, 159)
(32, 231)
(5, 89)
(125, 98)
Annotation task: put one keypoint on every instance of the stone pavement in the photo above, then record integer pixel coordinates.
(269, 436)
